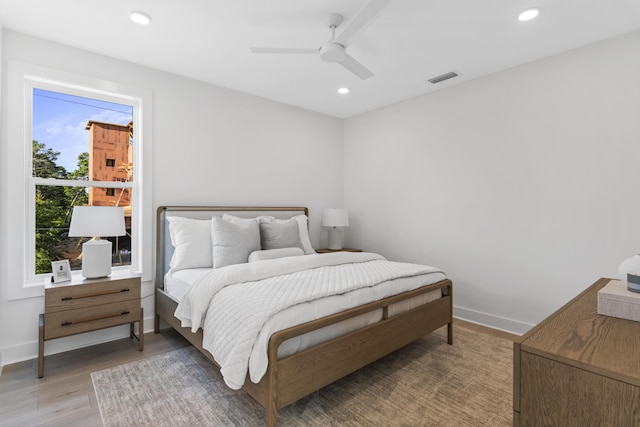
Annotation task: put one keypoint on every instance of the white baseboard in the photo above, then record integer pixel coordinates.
(29, 350)
(491, 321)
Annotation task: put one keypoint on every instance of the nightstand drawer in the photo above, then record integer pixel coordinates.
(63, 323)
(91, 294)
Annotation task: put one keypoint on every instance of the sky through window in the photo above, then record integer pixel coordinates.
(59, 122)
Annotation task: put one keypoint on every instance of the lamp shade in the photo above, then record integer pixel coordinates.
(97, 221)
(335, 217)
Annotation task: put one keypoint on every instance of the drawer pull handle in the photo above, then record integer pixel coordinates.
(97, 294)
(92, 319)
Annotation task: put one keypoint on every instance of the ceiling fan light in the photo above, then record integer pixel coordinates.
(140, 18)
(529, 14)
(332, 52)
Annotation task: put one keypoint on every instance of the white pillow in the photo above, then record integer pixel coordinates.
(285, 233)
(191, 239)
(274, 253)
(232, 243)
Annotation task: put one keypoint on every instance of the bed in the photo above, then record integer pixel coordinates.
(359, 325)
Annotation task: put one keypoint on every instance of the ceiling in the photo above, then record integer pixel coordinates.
(409, 41)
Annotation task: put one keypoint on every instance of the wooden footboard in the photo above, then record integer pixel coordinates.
(293, 377)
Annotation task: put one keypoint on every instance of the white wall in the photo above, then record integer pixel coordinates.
(523, 186)
(3, 213)
(211, 146)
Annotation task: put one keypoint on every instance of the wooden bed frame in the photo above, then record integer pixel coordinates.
(290, 378)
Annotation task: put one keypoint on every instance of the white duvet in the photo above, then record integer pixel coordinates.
(233, 303)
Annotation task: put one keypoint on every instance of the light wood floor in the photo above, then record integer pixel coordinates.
(65, 396)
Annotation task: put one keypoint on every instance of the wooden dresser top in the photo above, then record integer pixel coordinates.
(578, 336)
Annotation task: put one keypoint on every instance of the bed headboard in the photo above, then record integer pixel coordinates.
(164, 248)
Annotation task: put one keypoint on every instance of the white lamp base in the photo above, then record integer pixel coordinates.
(96, 259)
(335, 238)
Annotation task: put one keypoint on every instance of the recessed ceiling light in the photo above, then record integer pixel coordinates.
(528, 14)
(140, 18)
(343, 90)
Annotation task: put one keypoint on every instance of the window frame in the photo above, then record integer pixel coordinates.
(22, 78)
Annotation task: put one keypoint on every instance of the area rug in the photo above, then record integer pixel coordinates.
(427, 383)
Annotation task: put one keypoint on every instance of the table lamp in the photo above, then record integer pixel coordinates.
(336, 219)
(96, 222)
(630, 273)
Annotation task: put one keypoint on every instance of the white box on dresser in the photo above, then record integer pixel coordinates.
(616, 300)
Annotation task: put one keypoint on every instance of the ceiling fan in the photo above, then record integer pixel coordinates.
(335, 50)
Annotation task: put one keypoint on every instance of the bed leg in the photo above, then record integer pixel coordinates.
(272, 417)
(272, 393)
(272, 385)
(449, 292)
(156, 324)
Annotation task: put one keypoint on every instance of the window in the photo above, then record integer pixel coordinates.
(73, 137)
(60, 175)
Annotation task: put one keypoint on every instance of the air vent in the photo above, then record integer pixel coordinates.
(443, 77)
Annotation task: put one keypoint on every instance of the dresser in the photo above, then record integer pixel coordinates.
(578, 368)
(84, 305)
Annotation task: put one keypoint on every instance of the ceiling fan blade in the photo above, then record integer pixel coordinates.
(356, 68)
(361, 20)
(281, 50)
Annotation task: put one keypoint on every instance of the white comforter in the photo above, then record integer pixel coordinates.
(238, 300)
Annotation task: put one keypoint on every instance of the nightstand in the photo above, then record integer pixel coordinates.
(328, 251)
(84, 305)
